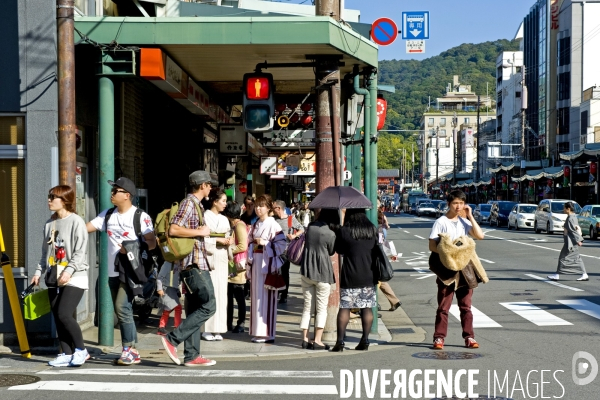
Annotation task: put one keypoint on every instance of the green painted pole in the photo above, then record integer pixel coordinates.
(106, 127)
(373, 170)
(367, 118)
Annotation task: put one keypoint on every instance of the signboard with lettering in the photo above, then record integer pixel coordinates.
(233, 139)
(268, 165)
(415, 25)
(415, 46)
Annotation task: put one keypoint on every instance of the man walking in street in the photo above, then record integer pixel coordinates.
(200, 303)
(457, 222)
(120, 227)
(292, 228)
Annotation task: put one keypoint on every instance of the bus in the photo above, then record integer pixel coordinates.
(411, 197)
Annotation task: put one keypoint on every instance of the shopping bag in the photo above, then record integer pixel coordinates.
(37, 304)
(389, 248)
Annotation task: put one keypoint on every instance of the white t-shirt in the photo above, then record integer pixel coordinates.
(460, 227)
(120, 228)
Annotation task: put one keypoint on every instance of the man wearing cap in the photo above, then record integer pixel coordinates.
(200, 302)
(120, 227)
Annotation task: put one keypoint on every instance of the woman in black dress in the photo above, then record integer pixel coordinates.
(355, 240)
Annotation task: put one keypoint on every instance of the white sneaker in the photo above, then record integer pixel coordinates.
(63, 360)
(208, 336)
(79, 357)
(584, 277)
(553, 277)
(218, 337)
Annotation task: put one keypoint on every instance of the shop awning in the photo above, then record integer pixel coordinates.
(590, 149)
(551, 172)
(503, 167)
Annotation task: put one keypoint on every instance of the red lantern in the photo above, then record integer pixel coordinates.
(306, 120)
(294, 118)
(549, 182)
(531, 184)
(467, 190)
(306, 107)
(484, 187)
(280, 107)
(243, 187)
(504, 179)
(593, 168)
(516, 186)
(567, 171)
(293, 106)
(493, 181)
(381, 112)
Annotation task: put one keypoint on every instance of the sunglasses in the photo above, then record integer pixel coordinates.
(53, 196)
(115, 191)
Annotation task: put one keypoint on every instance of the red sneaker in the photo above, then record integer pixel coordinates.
(171, 350)
(438, 343)
(471, 343)
(200, 362)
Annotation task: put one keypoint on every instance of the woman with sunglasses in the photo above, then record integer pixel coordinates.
(64, 265)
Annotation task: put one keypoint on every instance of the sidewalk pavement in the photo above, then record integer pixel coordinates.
(238, 345)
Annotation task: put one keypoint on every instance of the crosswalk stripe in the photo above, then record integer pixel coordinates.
(535, 314)
(555, 283)
(420, 237)
(584, 306)
(143, 387)
(178, 372)
(480, 320)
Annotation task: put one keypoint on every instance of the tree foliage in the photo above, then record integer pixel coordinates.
(416, 81)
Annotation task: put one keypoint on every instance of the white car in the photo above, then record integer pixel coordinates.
(550, 216)
(522, 216)
(425, 209)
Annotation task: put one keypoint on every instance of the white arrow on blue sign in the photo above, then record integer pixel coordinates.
(415, 25)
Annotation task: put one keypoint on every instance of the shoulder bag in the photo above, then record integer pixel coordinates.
(381, 265)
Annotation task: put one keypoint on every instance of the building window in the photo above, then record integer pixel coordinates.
(442, 121)
(12, 187)
(466, 120)
(442, 133)
(564, 86)
(564, 51)
(430, 122)
(447, 142)
(563, 121)
(518, 95)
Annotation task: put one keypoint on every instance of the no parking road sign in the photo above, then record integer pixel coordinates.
(384, 31)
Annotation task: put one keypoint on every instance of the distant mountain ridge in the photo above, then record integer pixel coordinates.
(416, 81)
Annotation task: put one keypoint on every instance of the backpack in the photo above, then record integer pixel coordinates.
(173, 248)
(145, 257)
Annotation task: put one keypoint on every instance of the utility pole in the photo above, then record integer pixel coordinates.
(477, 137)
(412, 165)
(437, 152)
(524, 153)
(67, 125)
(454, 136)
(330, 8)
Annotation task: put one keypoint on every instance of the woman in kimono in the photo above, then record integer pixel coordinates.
(569, 260)
(217, 244)
(266, 245)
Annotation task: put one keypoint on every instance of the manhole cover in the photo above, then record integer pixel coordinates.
(15, 380)
(447, 355)
(399, 331)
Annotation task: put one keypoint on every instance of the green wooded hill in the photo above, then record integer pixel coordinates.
(415, 81)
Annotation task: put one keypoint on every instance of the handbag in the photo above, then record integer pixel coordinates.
(295, 250)
(275, 282)
(36, 304)
(381, 264)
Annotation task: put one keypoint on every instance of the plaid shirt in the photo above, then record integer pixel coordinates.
(187, 217)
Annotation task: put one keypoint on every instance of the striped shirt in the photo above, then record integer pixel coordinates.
(187, 217)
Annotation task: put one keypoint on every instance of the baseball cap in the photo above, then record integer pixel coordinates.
(199, 177)
(124, 183)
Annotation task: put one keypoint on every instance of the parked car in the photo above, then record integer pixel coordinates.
(441, 209)
(413, 208)
(482, 213)
(550, 215)
(589, 220)
(499, 212)
(522, 216)
(425, 209)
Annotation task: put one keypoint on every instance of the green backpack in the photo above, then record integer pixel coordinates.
(173, 248)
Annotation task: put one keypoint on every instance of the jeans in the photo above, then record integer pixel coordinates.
(463, 298)
(235, 291)
(122, 297)
(199, 307)
(64, 302)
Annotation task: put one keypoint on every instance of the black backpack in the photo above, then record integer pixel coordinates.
(147, 260)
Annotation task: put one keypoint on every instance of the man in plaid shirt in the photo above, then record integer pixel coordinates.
(200, 302)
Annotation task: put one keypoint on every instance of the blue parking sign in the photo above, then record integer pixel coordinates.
(415, 25)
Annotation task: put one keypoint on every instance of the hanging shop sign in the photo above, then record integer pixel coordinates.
(268, 165)
(233, 139)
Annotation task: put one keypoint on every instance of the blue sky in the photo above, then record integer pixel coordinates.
(452, 22)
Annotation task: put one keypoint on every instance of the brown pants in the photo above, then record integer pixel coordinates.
(388, 293)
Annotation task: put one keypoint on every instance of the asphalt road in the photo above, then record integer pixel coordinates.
(529, 331)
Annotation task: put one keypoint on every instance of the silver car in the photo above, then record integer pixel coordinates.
(482, 213)
(522, 216)
(425, 209)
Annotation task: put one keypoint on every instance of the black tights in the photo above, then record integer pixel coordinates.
(366, 317)
(63, 304)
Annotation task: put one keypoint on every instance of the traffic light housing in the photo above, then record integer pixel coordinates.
(259, 107)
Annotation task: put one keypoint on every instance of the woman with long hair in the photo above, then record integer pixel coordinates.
(235, 285)
(569, 260)
(355, 240)
(317, 275)
(266, 244)
(217, 243)
(64, 265)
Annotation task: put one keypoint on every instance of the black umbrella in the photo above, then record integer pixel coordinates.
(338, 197)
